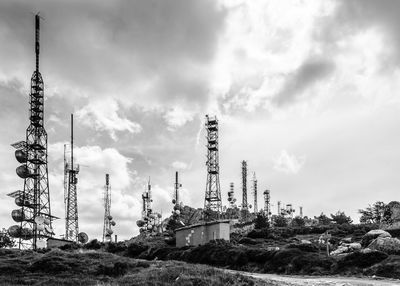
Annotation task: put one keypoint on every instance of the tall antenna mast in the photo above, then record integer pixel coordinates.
(244, 186)
(176, 195)
(212, 201)
(267, 205)
(34, 215)
(255, 192)
(108, 219)
(71, 217)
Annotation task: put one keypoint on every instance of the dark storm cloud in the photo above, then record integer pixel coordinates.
(310, 72)
(356, 16)
(107, 46)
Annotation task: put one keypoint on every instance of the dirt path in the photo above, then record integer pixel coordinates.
(320, 281)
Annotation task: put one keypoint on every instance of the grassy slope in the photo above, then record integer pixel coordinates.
(97, 268)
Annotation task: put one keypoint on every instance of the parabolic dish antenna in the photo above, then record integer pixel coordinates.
(83, 237)
(39, 220)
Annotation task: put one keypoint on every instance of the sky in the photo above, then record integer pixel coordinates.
(307, 92)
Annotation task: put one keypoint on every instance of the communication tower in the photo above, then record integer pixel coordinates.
(279, 208)
(108, 219)
(177, 185)
(34, 214)
(212, 201)
(255, 192)
(267, 206)
(70, 192)
(301, 212)
(231, 196)
(244, 186)
(151, 221)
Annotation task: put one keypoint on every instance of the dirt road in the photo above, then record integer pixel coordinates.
(320, 281)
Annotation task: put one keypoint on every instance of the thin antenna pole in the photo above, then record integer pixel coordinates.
(72, 142)
(37, 40)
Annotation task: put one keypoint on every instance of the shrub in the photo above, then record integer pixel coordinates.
(281, 259)
(93, 244)
(304, 247)
(362, 260)
(258, 233)
(311, 263)
(387, 268)
(135, 249)
(115, 270)
(116, 247)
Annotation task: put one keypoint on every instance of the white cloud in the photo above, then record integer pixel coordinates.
(103, 115)
(288, 163)
(177, 117)
(179, 165)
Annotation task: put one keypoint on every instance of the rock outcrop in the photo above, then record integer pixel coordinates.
(373, 234)
(388, 245)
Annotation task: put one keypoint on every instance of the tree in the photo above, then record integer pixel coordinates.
(261, 221)
(298, 221)
(5, 239)
(374, 213)
(280, 221)
(341, 218)
(323, 219)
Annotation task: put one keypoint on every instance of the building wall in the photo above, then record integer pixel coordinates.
(53, 242)
(201, 234)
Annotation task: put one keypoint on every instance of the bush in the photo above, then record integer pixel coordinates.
(93, 244)
(387, 268)
(70, 246)
(115, 270)
(394, 232)
(281, 260)
(135, 249)
(116, 247)
(259, 233)
(311, 263)
(304, 247)
(361, 260)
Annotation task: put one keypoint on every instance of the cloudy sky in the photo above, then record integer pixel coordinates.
(306, 91)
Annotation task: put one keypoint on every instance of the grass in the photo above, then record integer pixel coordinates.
(93, 267)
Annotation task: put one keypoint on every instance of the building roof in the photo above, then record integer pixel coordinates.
(203, 224)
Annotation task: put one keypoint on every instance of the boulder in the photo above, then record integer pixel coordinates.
(373, 234)
(346, 240)
(388, 245)
(355, 246)
(304, 241)
(340, 250)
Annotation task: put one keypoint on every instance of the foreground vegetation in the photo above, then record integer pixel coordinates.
(281, 251)
(90, 267)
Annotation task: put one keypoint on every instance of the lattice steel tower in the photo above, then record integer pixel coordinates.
(35, 213)
(108, 219)
(255, 192)
(70, 192)
(267, 204)
(244, 186)
(212, 202)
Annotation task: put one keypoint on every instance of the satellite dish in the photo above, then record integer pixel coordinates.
(83, 237)
(110, 217)
(109, 231)
(113, 223)
(21, 156)
(41, 243)
(140, 223)
(173, 201)
(48, 229)
(14, 231)
(39, 220)
(159, 215)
